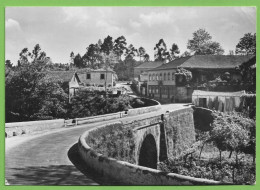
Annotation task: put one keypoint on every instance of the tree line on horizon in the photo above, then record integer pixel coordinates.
(31, 94)
(120, 56)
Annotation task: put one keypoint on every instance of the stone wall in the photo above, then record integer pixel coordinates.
(138, 111)
(141, 128)
(20, 128)
(117, 172)
(179, 131)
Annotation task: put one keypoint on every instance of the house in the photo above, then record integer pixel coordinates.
(72, 81)
(161, 80)
(207, 71)
(141, 75)
(205, 68)
(97, 77)
(221, 101)
(144, 67)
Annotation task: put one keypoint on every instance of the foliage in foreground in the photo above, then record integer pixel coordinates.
(231, 132)
(228, 171)
(113, 141)
(85, 104)
(31, 95)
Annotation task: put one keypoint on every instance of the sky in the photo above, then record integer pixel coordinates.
(61, 30)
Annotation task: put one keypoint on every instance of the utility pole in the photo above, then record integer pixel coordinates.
(106, 77)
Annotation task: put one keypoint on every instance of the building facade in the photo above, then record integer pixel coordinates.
(209, 72)
(144, 67)
(162, 82)
(98, 77)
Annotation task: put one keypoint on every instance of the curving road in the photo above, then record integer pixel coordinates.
(42, 159)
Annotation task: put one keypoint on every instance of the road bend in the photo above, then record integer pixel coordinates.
(42, 159)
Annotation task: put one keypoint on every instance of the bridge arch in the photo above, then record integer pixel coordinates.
(148, 152)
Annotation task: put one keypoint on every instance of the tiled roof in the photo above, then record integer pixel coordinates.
(150, 64)
(216, 61)
(94, 70)
(172, 64)
(64, 76)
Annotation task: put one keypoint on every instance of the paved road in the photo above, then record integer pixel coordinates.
(42, 159)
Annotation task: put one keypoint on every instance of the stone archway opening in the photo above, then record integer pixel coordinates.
(148, 153)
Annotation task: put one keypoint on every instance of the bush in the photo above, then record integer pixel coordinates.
(230, 132)
(86, 103)
(113, 141)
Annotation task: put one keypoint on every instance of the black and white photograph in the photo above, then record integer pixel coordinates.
(150, 96)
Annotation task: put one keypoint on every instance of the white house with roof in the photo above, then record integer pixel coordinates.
(98, 77)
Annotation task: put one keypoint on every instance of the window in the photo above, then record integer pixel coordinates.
(149, 77)
(157, 77)
(157, 90)
(88, 76)
(102, 76)
(173, 76)
(164, 76)
(160, 76)
(169, 76)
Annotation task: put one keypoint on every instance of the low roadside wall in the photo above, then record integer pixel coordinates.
(124, 173)
(142, 110)
(20, 128)
(99, 118)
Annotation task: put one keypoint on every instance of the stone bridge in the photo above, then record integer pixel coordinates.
(163, 136)
(166, 134)
(157, 134)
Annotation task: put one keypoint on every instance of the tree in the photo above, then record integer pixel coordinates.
(107, 49)
(183, 76)
(120, 46)
(146, 57)
(9, 70)
(92, 56)
(31, 95)
(185, 54)
(231, 132)
(107, 46)
(247, 45)
(24, 56)
(8, 63)
(72, 57)
(37, 54)
(141, 52)
(201, 44)
(174, 51)
(85, 104)
(131, 52)
(161, 53)
(248, 73)
(78, 62)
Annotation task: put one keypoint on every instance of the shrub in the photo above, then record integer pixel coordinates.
(113, 141)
